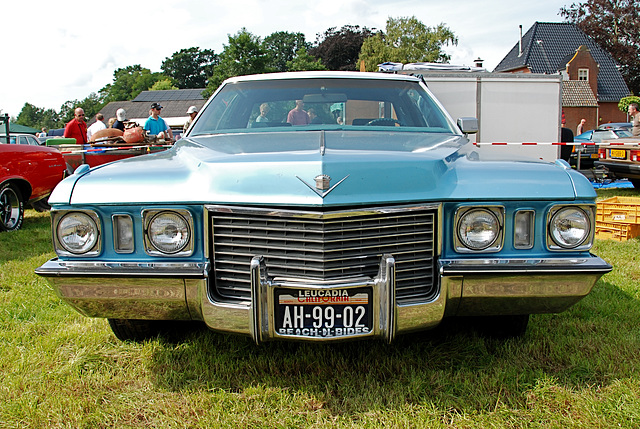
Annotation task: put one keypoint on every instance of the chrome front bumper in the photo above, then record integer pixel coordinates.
(179, 291)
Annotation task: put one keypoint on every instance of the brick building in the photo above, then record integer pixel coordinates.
(592, 84)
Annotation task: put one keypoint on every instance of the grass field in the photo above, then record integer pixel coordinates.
(577, 369)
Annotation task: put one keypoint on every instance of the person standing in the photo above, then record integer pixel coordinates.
(192, 112)
(580, 128)
(635, 118)
(156, 125)
(121, 116)
(77, 127)
(96, 126)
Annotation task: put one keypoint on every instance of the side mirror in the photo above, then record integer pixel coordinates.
(468, 125)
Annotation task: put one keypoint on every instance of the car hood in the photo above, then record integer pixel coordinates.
(283, 167)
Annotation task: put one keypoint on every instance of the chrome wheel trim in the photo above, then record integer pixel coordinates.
(10, 207)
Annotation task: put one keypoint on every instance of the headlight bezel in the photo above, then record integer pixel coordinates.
(495, 245)
(151, 248)
(60, 248)
(586, 242)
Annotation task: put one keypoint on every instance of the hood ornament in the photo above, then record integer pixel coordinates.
(323, 183)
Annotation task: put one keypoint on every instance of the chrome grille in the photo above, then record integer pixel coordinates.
(323, 245)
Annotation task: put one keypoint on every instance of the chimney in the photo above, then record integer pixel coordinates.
(520, 43)
(478, 62)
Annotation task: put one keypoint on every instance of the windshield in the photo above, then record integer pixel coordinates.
(623, 133)
(601, 135)
(322, 103)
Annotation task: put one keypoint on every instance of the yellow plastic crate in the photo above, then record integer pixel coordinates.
(619, 210)
(616, 231)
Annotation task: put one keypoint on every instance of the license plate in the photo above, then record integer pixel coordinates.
(618, 154)
(323, 313)
(594, 155)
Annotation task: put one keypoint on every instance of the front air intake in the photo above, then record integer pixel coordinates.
(323, 246)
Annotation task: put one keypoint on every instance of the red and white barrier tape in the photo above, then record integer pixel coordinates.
(105, 149)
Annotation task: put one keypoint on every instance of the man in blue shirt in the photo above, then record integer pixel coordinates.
(156, 125)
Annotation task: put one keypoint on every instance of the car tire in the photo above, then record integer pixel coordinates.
(135, 330)
(11, 208)
(503, 327)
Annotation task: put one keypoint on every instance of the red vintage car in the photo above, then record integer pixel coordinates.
(28, 174)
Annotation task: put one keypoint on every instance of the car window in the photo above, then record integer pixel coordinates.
(600, 135)
(12, 139)
(623, 133)
(270, 105)
(32, 141)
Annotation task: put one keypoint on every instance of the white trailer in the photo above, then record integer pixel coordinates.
(518, 109)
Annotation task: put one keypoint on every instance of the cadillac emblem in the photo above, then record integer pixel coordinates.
(323, 184)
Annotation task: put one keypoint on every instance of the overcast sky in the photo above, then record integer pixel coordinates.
(54, 51)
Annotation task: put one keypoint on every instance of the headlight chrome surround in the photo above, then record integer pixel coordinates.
(168, 232)
(479, 229)
(76, 233)
(570, 227)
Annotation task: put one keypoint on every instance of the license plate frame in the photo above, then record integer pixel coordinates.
(618, 154)
(323, 313)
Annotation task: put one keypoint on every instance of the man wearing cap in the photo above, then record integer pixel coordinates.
(121, 116)
(192, 112)
(156, 125)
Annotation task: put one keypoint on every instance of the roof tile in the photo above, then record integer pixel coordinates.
(578, 93)
(546, 46)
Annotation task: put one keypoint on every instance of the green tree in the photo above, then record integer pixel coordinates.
(339, 49)
(615, 26)
(407, 40)
(37, 117)
(243, 55)
(91, 105)
(128, 82)
(623, 104)
(190, 68)
(282, 47)
(163, 85)
(304, 61)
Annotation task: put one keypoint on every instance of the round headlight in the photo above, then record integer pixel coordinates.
(478, 229)
(77, 233)
(169, 232)
(569, 227)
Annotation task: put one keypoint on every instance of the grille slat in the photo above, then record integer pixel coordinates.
(312, 253)
(319, 240)
(327, 246)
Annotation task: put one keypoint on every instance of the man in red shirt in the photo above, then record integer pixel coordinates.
(77, 127)
(297, 115)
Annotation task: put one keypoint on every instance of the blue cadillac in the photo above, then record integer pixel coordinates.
(322, 206)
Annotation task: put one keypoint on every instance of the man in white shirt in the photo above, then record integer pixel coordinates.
(97, 126)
